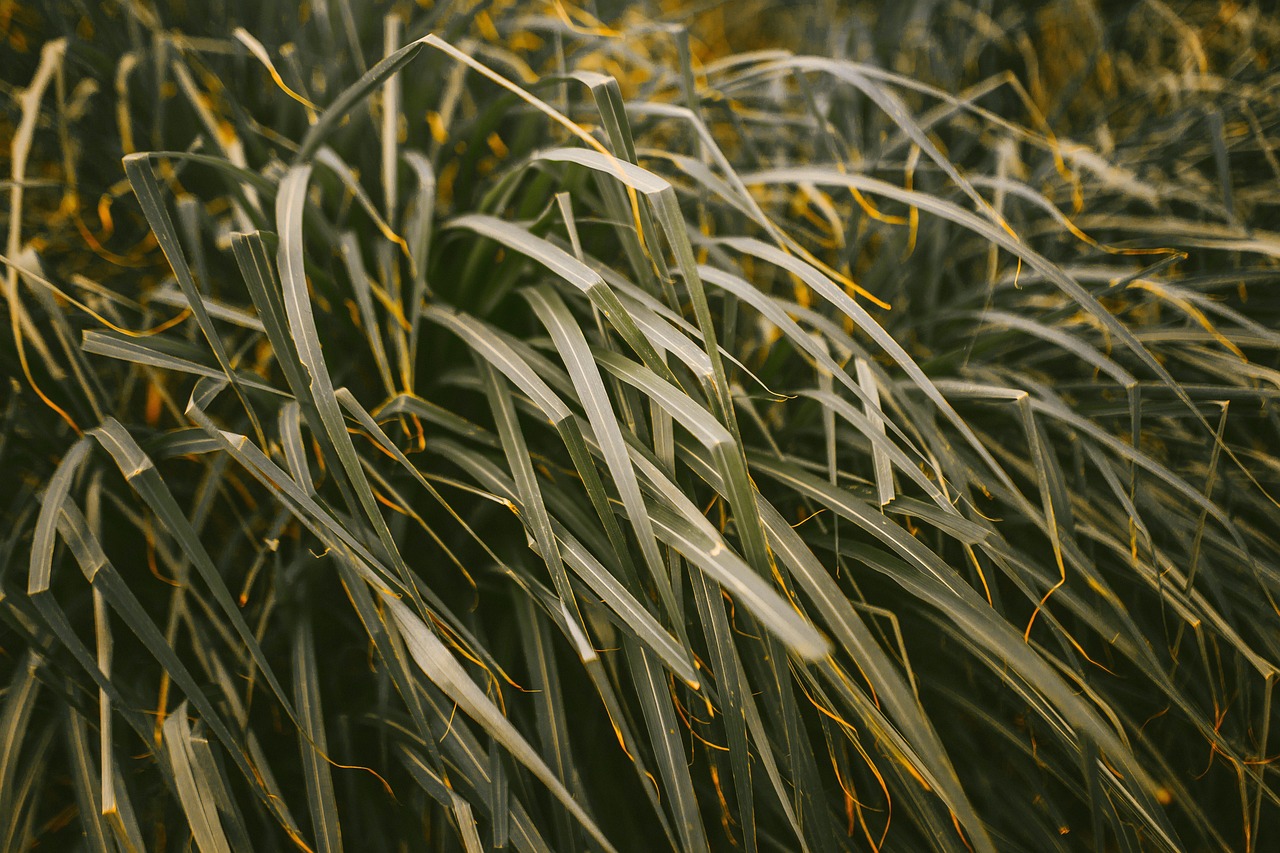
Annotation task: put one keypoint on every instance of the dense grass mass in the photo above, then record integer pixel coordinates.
(605, 426)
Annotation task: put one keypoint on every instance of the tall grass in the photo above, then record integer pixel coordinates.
(482, 425)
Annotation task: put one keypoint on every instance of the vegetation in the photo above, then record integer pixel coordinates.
(465, 425)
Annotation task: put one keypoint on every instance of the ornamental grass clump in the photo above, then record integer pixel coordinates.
(463, 426)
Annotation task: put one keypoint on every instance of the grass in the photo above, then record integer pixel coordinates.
(640, 426)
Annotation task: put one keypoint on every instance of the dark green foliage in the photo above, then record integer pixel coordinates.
(459, 426)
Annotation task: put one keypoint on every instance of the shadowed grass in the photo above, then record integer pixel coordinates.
(621, 427)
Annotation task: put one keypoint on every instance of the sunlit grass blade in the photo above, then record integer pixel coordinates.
(142, 179)
(313, 742)
(668, 747)
(439, 665)
(140, 471)
(670, 426)
(591, 390)
(87, 781)
(193, 788)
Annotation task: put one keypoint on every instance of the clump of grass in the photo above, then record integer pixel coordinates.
(466, 426)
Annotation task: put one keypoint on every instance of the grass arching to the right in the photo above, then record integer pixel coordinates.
(468, 425)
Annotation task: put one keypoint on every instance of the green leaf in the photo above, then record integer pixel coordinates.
(446, 673)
